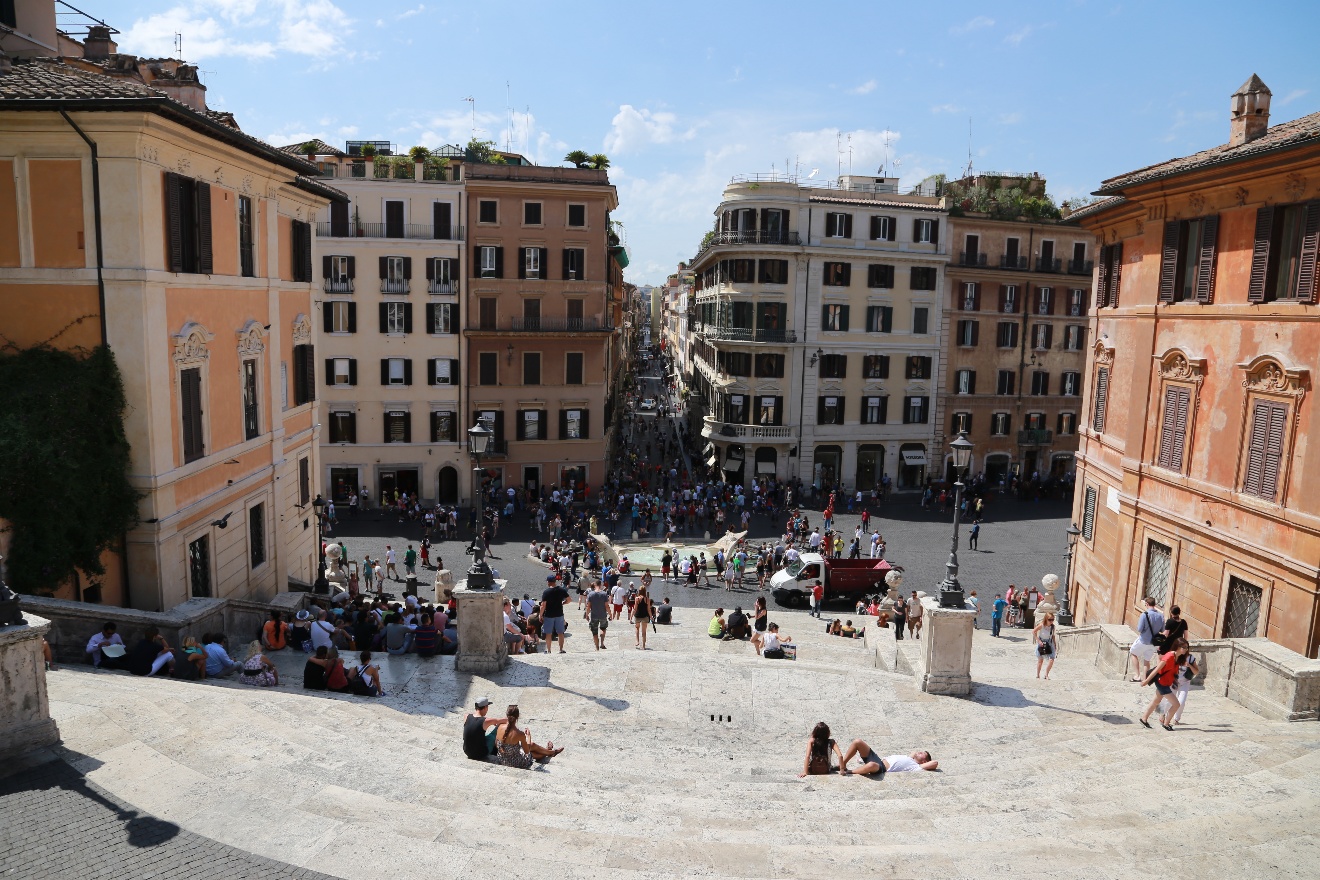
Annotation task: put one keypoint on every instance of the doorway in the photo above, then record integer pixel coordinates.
(996, 468)
(447, 486)
(396, 481)
(828, 464)
(1030, 460)
(532, 479)
(343, 484)
(870, 465)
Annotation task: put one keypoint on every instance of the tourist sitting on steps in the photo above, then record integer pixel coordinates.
(366, 678)
(715, 629)
(218, 661)
(274, 635)
(106, 636)
(257, 670)
(150, 655)
(516, 748)
(479, 732)
(819, 746)
(738, 628)
(771, 645)
(873, 763)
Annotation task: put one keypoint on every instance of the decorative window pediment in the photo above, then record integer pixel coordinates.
(190, 345)
(1266, 375)
(302, 330)
(251, 339)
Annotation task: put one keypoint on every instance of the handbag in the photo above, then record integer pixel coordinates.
(1045, 649)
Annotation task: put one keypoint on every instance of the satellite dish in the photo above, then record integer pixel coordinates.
(813, 173)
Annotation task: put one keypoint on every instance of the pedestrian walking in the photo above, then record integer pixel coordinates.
(1187, 670)
(1163, 673)
(1046, 646)
(997, 614)
(899, 618)
(817, 598)
(390, 569)
(914, 615)
(1149, 625)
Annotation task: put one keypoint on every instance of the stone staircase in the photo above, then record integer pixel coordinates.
(1051, 778)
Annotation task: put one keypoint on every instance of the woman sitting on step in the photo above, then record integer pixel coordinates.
(257, 670)
(819, 746)
(516, 748)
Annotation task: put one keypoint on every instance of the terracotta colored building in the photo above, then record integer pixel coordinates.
(542, 321)
(186, 246)
(1196, 468)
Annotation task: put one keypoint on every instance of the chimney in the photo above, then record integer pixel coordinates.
(1251, 112)
(98, 46)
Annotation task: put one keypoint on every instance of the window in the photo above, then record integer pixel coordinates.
(926, 231)
(531, 213)
(444, 427)
(573, 368)
(531, 262)
(1109, 276)
(442, 275)
(394, 219)
(742, 271)
(1074, 337)
(574, 311)
(838, 225)
(531, 368)
(1071, 384)
(737, 363)
(442, 221)
(918, 367)
(304, 481)
(1045, 301)
(920, 320)
(488, 211)
(774, 223)
(1283, 262)
(834, 366)
(964, 382)
(1269, 420)
(304, 374)
(740, 315)
(1187, 260)
(961, 423)
(530, 424)
(251, 395)
(489, 259)
(774, 271)
(343, 427)
(880, 275)
(442, 371)
(247, 264)
(257, 534)
(1012, 248)
(394, 274)
(395, 317)
(875, 366)
(1242, 612)
(1008, 298)
(190, 400)
(829, 411)
(1005, 382)
(883, 228)
(1088, 514)
(923, 278)
(834, 317)
(1067, 423)
(302, 251)
(1159, 564)
(574, 424)
(999, 424)
(577, 216)
(342, 371)
(199, 567)
(970, 299)
(875, 410)
(879, 319)
(486, 312)
(338, 272)
(574, 260)
(968, 332)
(1040, 382)
(837, 274)
(769, 410)
(770, 317)
(188, 226)
(1034, 421)
(1101, 400)
(488, 368)
(441, 318)
(916, 410)
(1076, 302)
(735, 409)
(1041, 336)
(396, 371)
(398, 426)
(769, 366)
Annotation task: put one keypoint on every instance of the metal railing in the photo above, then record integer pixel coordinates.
(1080, 267)
(442, 287)
(1044, 265)
(972, 258)
(339, 285)
(1035, 437)
(715, 427)
(719, 239)
(416, 231)
(746, 334)
(548, 325)
(398, 286)
(1018, 263)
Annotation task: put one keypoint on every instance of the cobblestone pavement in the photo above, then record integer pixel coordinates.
(56, 824)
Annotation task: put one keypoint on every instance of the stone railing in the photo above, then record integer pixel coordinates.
(1266, 678)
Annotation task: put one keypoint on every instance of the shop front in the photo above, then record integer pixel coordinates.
(870, 465)
(912, 466)
(394, 481)
(827, 467)
(343, 484)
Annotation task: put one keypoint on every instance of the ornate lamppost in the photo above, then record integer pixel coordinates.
(951, 593)
(479, 575)
(1065, 605)
(321, 585)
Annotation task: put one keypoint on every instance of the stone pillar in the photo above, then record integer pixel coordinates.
(25, 722)
(481, 646)
(946, 644)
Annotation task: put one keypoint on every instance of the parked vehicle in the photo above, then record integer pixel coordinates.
(843, 579)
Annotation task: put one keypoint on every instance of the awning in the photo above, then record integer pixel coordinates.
(914, 459)
(710, 460)
(733, 466)
(765, 467)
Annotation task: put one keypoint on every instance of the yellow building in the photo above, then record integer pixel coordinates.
(132, 215)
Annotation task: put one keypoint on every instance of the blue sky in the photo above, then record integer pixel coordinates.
(682, 95)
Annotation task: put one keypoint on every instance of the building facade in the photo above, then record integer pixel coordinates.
(391, 270)
(542, 309)
(818, 334)
(1195, 462)
(186, 246)
(1016, 300)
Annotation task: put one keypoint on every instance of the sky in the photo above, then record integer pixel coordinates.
(683, 95)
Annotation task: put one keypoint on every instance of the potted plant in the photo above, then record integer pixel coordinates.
(579, 158)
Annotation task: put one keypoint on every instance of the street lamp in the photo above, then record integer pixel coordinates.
(1065, 606)
(951, 594)
(479, 573)
(321, 584)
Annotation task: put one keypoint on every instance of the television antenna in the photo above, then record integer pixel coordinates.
(967, 172)
(178, 45)
(473, 102)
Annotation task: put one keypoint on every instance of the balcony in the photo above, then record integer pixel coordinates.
(400, 285)
(545, 325)
(417, 231)
(746, 334)
(450, 287)
(714, 428)
(339, 285)
(1080, 267)
(1047, 265)
(1019, 264)
(718, 239)
(972, 258)
(1035, 437)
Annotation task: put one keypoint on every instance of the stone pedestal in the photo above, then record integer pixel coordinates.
(444, 580)
(946, 640)
(25, 722)
(481, 646)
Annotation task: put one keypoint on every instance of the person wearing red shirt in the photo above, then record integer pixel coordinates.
(1163, 673)
(817, 596)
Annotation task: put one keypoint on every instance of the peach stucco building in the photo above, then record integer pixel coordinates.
(1196, 466)
(186, 246)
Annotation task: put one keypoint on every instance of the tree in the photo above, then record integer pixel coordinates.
(309, 149)
(599, 161)
(579, 158)
(482, 152)
(368, 151)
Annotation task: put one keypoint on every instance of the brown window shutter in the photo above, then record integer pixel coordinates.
(325, 267)
(1167, 420)
(1101, 399)
(847, 225)
(1115, 274)
(1260, 423)
(1169, 260)
(831, 224)
(1306, 286)
(1181, 406)
(407, 268)
(1260, 255)
(352, 267)
(204, 263)
(352, 317)
(545, 264)
(499, 262)
(976, 332)
(1273, 451)
(328, 317)
(1102, 279)
(173, 223)
(1205, 261)
(352, 371)
(976, 296)
(935, 231)
(309, 370)
(430, 268)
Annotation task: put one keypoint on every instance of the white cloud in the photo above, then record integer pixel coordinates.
(292, 136)
(409, 13)
(1010, 118)
(865, 88)
(1016, 37)
(634, 129)
(974, 24)
(245, 28)
(1293, 96)
(946, 108)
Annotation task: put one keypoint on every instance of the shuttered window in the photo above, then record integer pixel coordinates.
(302, 250)
(1265, 449)
(1173, 428)
(879, 319)
(1088, 514)
(1101, 400)
(875, 366)
(257, 534)
(251, 398)
(834, 317)
(190, 399)
(573, 368)
(1187, 260)
(829, 411)
(187, 224)
(488, 368)
(880, 276)
(444, 427)
(837, 274)
(1283, 259)
(442, 371)
(343, 427)
(246, 237)
(304, 374)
